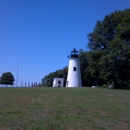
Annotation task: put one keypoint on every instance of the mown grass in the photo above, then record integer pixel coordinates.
(64, 109)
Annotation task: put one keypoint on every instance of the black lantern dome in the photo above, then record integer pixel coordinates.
(74, 53)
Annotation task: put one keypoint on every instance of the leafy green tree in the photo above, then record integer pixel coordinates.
(92, 73)
(84, 62)
(112, 36)
(7, 78)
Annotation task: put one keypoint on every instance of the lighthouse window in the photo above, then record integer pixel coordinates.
(74, 68)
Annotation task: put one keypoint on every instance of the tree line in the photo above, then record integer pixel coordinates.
(107, 61)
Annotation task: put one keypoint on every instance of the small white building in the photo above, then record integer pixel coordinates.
(58, 82)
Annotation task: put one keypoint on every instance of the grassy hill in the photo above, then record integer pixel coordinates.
(64, 109)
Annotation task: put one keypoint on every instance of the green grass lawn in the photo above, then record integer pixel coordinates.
(64, 108)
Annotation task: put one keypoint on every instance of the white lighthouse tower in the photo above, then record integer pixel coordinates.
(74, 73)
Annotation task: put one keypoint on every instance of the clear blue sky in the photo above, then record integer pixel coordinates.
(39, 34)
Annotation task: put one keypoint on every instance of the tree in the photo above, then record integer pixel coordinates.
(7, 78)
(84, 62)
(112, 36)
